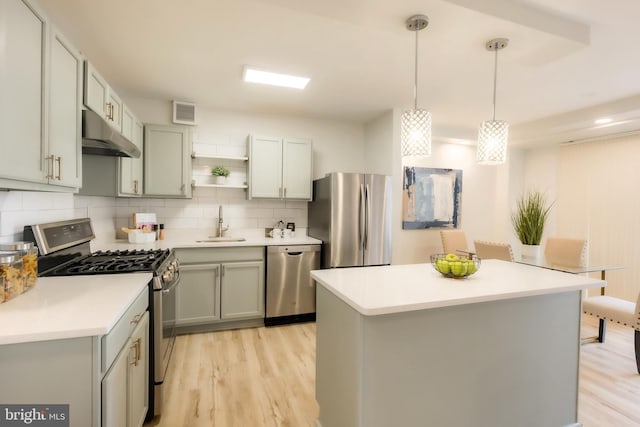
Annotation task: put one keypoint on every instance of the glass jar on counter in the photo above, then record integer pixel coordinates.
(11, 280)
(29, 254)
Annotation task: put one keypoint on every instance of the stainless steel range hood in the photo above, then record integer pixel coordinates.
(99, 138)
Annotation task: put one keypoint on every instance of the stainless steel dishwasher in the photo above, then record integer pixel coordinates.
(290, 291)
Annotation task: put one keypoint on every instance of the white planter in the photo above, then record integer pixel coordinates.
(220, 179)
(531, 252)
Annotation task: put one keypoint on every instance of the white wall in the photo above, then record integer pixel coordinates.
(486, 194)
(379, 145)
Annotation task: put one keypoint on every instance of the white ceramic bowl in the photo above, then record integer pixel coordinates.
(137, 236)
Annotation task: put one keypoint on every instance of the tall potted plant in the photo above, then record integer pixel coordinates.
(528, 221)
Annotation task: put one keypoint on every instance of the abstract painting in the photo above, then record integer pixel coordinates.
(431, 198)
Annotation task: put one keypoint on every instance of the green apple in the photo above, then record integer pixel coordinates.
(443, 266)
(458, 268)
(451, 257)
(471, 267)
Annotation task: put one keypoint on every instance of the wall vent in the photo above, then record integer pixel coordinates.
(184, 113)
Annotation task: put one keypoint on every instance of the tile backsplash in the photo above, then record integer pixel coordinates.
(108, 214)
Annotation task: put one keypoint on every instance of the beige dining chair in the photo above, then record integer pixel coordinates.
(453, 240)
(493, 250)
(565, 251)
(612, 309)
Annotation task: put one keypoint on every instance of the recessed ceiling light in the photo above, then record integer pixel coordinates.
(603, 121)
(275, 79)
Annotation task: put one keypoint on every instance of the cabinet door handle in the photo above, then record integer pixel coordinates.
(285, 193)
(135, 186)
(139, 352)
(50, 172)
(136, 346)
(59, 161)
(110, 111)
(136, 319)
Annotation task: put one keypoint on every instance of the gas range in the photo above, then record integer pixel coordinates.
(65, 250)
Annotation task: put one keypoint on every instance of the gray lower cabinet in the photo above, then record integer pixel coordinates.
(138, 374)
(220, 287)
(198, 296)
(125, 394)
(242, 290)
(103, 379)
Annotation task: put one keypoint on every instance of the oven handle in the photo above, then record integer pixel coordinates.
(173, 285)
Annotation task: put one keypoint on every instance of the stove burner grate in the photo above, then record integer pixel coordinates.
(125, 261)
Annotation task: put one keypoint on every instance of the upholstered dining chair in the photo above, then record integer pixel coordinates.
(565, 251)
(493, 250)
(617, 310)
(453, 240)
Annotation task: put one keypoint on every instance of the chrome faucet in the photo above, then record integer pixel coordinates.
(220, 229)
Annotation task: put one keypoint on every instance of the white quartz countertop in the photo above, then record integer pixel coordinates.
(401, 288)
(189, 238)
(69, 307)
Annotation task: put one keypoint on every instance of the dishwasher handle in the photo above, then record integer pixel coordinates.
(294, 253)
(293, 249)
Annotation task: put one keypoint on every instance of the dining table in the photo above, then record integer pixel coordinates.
(573, 269)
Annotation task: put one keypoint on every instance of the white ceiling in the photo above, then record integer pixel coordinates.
(567, 63)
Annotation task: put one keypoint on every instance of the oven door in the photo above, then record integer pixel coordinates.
(164, 324)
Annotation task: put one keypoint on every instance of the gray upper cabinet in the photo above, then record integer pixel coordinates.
(116, 176)
(167, 161)
(65, 122)
(279, 168)
(130, 177)
(101, 98)
(40, 118)
(296, 169)
(96, 90)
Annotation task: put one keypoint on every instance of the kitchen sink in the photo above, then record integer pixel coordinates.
(221, 239)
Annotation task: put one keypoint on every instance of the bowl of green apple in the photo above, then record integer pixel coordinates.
(457, 267)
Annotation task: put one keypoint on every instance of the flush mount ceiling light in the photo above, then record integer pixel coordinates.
(603, 121)
(253, 75)
(493, 134)
(415, 125)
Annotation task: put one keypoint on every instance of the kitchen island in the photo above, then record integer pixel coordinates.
(403, 345)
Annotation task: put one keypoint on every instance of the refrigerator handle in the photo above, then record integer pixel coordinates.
(362, 222)
(367, 212)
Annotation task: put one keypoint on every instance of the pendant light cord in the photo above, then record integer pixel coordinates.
(495, 79)
(415, 74)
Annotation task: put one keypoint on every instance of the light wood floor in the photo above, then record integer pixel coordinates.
(266, 377)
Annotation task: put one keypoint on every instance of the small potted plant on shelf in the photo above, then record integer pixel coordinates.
(528, 222)
(220, 173)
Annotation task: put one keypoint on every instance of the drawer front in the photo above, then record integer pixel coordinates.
(112, 342)
(209, 255)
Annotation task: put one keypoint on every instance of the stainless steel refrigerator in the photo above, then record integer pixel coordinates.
(351, 214)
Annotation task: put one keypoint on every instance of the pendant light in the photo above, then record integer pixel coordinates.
(493, 134)
(415, 125)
